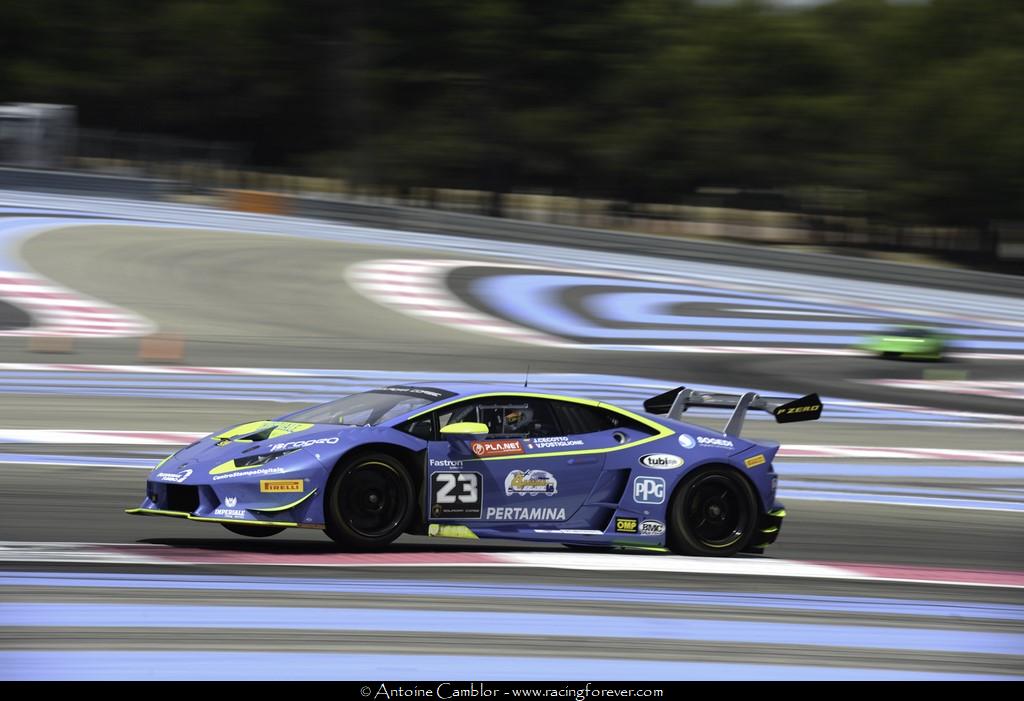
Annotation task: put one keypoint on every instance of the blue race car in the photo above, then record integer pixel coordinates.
(472, 461)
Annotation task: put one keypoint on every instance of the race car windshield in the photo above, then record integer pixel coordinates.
(366, 409)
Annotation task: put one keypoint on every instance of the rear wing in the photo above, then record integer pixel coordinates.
(785, 409)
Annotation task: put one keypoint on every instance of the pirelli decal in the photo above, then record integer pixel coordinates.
(278, 486)
(754, 461)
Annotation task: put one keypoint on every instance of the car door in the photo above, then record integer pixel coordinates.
(524, 470)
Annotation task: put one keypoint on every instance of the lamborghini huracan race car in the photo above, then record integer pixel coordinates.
(472, 461)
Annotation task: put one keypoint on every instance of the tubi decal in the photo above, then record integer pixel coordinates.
(754, 461)
(274, 486)
(661, 461)
(626, 525)
(532, 482)
(491, 449)
(649, 490)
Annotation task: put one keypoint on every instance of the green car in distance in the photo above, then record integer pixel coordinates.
(907, 342)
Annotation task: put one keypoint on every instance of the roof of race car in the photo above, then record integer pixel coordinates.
(456, 389)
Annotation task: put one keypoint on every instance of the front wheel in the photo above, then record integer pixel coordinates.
(369, 502)
(713, 513)
(252, 531)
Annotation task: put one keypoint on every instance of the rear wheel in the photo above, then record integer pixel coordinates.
(369, 502)
(253, 531)
(713, 513)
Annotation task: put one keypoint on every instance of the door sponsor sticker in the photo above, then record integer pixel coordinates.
(687, 441)
(515, 513)
(493, 449)
(455, 495)
(754, 461)
(652, 528)
(649, 490)
(661, 461)
(626, 525)
(532, 482)
(277, 486)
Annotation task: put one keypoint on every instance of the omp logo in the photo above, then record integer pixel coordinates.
(489, 449)
(302, 444)
(661, 461)
(649, 490)
(274, 486)
(626, 525)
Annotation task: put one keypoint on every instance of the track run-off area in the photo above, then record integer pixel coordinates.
(902, 555)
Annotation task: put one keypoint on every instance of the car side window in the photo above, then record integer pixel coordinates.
(505, 417)
(583, 418)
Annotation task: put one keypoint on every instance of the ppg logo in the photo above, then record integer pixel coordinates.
(649, 490)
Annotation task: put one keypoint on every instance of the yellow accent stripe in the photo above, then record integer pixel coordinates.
(663, 431)
(286, 506)
(279, 428)
(286, 524)
(444, 530)
(160, 464)
(781, 513)
(157, 512)
(773, 529)
(190, 517)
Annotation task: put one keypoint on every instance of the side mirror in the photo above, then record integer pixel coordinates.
(465, 428)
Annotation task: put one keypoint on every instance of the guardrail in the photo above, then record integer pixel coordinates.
(69, 182)
(433, 221)
(498, 229)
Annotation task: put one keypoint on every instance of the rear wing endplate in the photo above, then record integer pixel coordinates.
(785, 409)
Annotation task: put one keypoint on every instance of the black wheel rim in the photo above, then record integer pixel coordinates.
(372, 499)
(715, 511)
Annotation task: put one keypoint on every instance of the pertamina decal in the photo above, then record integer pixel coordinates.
(626, 525)
(274, 486)
(492, 449)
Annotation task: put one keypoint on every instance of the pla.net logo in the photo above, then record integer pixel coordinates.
(489, 449)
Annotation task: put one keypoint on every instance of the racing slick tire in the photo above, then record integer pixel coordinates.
(713, 513)
(369, 502)
(253, 531)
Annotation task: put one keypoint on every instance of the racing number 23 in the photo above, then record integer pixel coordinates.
(455, 495)
(467, 482)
